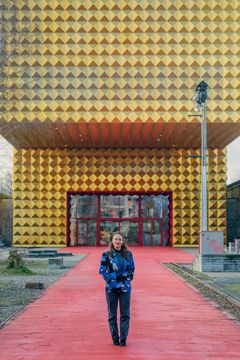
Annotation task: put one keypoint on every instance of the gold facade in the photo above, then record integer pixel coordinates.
(137, 60)
(99, 99)
(43, 177)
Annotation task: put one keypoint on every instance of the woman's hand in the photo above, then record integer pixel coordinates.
(113, 284)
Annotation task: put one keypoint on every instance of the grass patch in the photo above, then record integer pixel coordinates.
(39, 264)
(235, 288)
(199, 274)
(21, 271)
(30, 267)
(202, 275)
(3, 263)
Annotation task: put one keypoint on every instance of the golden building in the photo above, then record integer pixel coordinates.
(100, 119)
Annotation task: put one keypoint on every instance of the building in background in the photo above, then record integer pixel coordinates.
(233, 211)
(100, 122)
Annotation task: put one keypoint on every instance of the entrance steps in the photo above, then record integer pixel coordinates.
(46, 253)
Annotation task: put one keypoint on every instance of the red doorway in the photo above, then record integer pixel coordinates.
(143, 218)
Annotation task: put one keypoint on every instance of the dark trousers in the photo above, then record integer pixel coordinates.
(112, 302)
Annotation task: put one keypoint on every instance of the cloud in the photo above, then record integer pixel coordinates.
(233, 160)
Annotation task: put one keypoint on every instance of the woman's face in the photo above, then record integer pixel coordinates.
(117, 241)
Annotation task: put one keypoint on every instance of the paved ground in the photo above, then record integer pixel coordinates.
(170, 320)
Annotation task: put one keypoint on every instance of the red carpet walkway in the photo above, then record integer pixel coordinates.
(170, 320)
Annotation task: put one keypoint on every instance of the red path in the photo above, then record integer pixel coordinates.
(170, 320)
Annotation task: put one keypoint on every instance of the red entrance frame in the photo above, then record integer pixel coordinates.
(69, 193)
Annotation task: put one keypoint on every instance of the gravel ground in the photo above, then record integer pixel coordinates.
(14, 295)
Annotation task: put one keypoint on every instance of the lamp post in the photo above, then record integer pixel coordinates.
(200, 102)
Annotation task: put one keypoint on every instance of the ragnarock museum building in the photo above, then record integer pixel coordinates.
(100, 120)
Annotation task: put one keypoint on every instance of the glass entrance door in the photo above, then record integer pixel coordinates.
(87, 232)
(151, 233)
(106, 229)
(144, 219)
(156, 220)
(129, 229)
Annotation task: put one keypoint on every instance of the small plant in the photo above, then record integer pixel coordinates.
(15, 260)
(15, 264)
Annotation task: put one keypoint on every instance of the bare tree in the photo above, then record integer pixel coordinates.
(234, 175)
(6, 162)
(6, 184)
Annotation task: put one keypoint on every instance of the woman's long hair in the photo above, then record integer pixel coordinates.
(124, 247)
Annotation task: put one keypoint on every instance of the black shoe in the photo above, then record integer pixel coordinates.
(122, 342)
(116, 342)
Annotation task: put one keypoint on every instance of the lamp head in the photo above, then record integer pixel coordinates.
(202, 86)
(201, 95)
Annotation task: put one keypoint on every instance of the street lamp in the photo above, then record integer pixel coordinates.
(200, 103)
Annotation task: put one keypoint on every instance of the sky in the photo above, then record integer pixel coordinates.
(233, 159)
(5, 157)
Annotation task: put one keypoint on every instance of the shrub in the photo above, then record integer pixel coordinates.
(15, 260)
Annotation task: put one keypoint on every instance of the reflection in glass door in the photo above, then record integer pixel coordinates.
(87, 234)
(106, 229)
(165, 232)
(156, 233)
(82, 233)
(151, 232)
(146, 235)
(129, 229)
(143, 219)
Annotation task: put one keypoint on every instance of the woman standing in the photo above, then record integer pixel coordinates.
(117, 268)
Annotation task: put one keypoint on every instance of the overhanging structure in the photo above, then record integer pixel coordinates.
(103, 105)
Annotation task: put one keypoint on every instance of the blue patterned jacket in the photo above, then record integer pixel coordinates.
(109, 270)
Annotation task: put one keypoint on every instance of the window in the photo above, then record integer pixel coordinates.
(119, 206)
(143, 219)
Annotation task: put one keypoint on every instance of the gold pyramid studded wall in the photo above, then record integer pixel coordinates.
(42, 178)
(134, 61)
